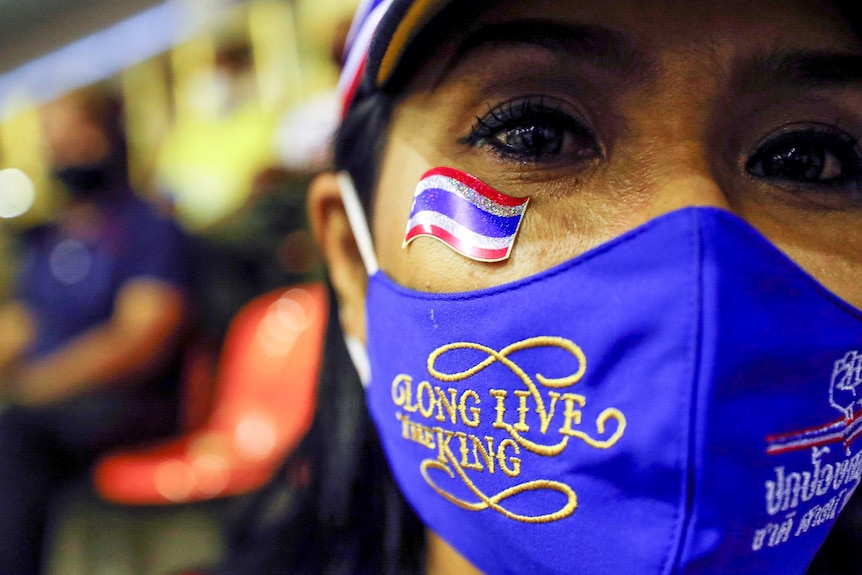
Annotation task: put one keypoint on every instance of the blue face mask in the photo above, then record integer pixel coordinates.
(682, 399)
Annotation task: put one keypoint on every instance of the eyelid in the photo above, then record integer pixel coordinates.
(521, 107)
(840, 144)
(795, 128)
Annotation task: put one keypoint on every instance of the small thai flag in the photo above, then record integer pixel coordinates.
(845, 430)
(466, 214)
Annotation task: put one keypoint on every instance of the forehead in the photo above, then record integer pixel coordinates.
(632, 28)
(680, 19)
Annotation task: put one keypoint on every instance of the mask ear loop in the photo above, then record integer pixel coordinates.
(358, 223)
(359, 358)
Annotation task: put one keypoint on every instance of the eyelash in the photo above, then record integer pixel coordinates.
(811, 158)
(801, 154)
(533, 118)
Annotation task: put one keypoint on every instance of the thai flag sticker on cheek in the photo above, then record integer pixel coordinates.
(466, 214)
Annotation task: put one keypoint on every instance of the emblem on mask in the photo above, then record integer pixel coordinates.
(466, 214)
(845, 395)
(431, 414)
(801, 498)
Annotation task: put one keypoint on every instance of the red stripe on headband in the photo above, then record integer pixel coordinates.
(350, 92)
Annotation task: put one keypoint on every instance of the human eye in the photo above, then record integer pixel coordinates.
(534, 129)
(809, 155)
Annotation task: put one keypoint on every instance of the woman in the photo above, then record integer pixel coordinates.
(610, 293)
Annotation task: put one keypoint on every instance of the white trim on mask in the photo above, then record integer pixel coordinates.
(358, 223)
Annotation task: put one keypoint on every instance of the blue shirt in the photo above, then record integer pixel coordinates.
(69, 280)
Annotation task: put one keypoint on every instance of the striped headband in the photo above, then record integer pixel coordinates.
(379, 36)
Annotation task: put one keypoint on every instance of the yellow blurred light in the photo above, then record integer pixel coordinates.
(17, 193)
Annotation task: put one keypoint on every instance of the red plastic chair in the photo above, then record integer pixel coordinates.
(264, 402)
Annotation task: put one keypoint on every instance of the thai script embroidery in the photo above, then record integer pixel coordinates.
(428, 411)
(790, 490)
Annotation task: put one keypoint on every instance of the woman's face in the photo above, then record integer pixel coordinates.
(609, 114)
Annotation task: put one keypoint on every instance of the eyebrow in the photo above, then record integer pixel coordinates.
(602, 46)
(606, 48)
(802, 69)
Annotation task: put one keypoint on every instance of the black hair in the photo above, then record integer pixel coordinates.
(850, 10)
(333, 507)
(360, 141)
(362, 135)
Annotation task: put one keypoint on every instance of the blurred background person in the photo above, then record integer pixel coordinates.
(208, 159)
(93, 328)
(264, 243)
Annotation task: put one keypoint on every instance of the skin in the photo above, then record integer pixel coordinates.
(148, 314)
(689, 115)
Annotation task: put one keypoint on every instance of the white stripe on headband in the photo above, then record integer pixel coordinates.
(363, 9)
(358, 50)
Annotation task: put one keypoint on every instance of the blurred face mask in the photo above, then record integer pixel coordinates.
(681, 399)
(92, 180)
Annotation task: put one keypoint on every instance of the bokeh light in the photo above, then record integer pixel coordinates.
(17, 193)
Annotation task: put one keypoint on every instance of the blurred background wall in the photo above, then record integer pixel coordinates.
(229, 105)
(216, 92)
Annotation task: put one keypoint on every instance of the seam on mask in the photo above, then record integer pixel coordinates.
(685, 522)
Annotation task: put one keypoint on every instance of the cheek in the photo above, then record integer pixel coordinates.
(838, 272)
(828, 246)
(427, 264)
(401, 170)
